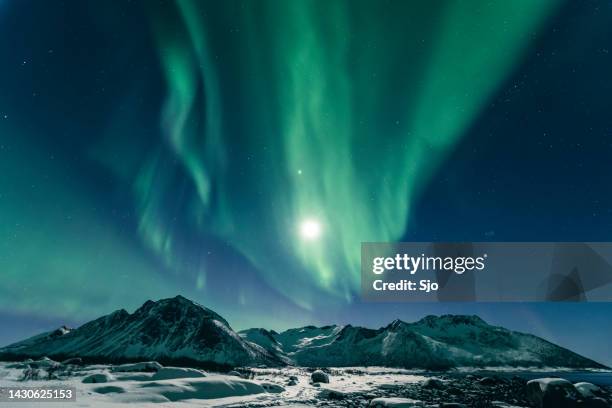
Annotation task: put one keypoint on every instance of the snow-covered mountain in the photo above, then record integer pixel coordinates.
(169, 329)
(182, 331)
(432, 342)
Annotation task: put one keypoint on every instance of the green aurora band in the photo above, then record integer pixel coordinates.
(275, 112)
(347, 108)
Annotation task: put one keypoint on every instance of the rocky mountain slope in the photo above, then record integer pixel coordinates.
(169, 329)
(180, 330)
(431, 343)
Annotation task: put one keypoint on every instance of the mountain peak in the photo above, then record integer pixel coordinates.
(448, 319)
(180, 299)
(167, 329)
(396, 324)
(176, 300)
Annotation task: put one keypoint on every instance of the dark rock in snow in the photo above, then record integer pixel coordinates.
(552, 393)
(331, 394)
(488, 381)
(319, 377)
(433, 383)
(589, 390)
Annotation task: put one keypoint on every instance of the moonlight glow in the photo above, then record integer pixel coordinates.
(310, 229)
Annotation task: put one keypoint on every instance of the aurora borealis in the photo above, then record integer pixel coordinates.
(239, 152)
(311, 114)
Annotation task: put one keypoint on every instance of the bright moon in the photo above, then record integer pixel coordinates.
(310, 229)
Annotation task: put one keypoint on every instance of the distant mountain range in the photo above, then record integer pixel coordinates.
(183, 331)
(432, 343)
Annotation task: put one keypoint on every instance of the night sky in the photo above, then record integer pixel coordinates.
(238, 152)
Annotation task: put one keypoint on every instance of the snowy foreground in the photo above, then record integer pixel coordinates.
(152, 385)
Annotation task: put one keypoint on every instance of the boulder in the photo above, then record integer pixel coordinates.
(319, 377)
(487, 381)
(328, 393)
(272, 387)
(433, 383)
(45, 363)
(588, 390)
(30, 373)
(109, 389)
(552, 393)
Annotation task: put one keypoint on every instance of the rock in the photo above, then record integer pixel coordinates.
(316, 384)
(98, 378)
(44, 362)
(487, 381)
(328, 393)
(109, 389)
(235, 374)
(433, 383)
(272, 387)
(293, 378)
(588, 390)
(454, 391)
(292, 382)
(395, 402)
(319, 377)
(30, 373)
(552, 393)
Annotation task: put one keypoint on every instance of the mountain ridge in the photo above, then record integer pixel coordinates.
(180, 330)
(174, 329)
(438, 342)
